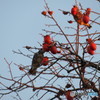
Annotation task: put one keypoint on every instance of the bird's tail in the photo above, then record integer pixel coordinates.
(82, 23)
(33, 71)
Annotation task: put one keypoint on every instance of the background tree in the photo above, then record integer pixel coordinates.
(65, 65)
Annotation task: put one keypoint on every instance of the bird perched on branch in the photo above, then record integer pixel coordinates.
(36, 61)
(79, 17)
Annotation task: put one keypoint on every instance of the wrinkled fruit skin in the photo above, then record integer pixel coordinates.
(53, 49)
(45, 61)
(93, 46)
(47, 39)
(86, 19)
(90, 51)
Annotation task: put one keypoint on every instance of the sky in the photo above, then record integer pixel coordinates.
(21, 24)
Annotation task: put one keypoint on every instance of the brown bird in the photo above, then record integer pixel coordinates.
(79, 19)
(36, 61)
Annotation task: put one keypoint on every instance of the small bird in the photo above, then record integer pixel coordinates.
(36, 61)
(79, 19)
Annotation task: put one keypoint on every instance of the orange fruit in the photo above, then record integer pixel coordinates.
(47, 39)
(74, 10)
(45, 61)
(86, 19)
(50, 12)
(46, 47)
(44, 13)
(93, 46)
(90, 51)
(89, 40)
(88, 11)
(53, 49)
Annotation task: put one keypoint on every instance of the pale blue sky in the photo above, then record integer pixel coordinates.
(21, 22)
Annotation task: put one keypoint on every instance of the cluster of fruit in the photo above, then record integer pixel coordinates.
(45, 12)
(48, 45)
(81, 18)
(91, 47)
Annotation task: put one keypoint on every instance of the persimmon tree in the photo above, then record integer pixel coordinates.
(62, 68)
